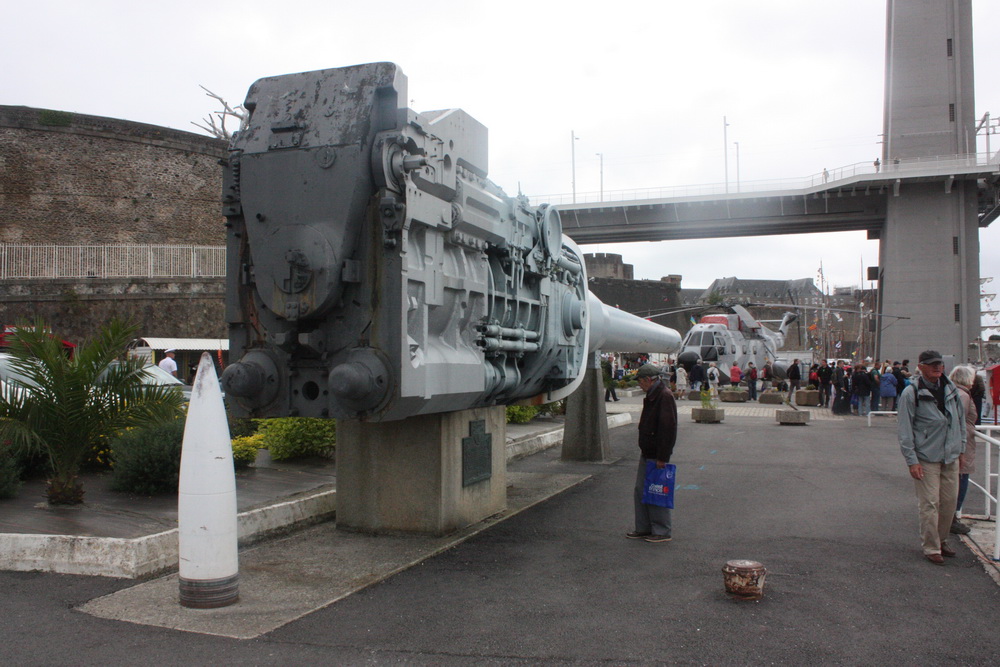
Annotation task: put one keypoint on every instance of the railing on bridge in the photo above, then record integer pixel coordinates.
(111, 261)
(911, 166)
(984, 434)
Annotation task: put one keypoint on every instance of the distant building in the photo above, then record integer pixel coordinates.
(836, 331)
(799, 292)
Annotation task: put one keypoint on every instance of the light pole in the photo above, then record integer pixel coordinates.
(601, 155)
(725, 150)
(737, 165)
(572, 147)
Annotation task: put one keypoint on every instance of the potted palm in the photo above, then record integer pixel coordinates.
(64, 406)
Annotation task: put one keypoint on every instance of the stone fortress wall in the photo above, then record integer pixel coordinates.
(73, 179)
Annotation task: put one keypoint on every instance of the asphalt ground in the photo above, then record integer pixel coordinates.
(828, 509)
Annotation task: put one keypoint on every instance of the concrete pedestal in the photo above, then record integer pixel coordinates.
(430, 474)
(791, 416)
(585, 435)
(708, 415)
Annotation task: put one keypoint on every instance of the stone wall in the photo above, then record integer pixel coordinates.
(644, 298)
(607, 265)
(73, 179)
(75, 309)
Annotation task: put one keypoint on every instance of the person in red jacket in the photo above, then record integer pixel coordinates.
(657, 436)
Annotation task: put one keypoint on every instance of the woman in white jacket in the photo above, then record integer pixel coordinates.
(682, 381)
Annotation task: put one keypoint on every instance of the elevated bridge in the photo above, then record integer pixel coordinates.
(851, 198)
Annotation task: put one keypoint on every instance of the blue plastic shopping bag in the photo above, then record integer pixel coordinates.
(660, 483)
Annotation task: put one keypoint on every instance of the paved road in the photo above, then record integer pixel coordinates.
(828, 509)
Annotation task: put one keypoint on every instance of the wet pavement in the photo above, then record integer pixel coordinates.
(828, 508)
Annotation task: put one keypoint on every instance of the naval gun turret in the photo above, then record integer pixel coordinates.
(376, 273)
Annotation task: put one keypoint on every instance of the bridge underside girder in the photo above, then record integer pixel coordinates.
(854, 205)
(756, 216)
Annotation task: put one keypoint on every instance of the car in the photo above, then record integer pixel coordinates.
(156, 376)
(9, 376)
(152, 375)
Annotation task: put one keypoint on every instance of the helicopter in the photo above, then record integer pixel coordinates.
(725, 338)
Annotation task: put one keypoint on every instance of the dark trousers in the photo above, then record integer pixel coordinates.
(648, 518)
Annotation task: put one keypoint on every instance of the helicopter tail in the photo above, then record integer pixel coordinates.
(786, 321)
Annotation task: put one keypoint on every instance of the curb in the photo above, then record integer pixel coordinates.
(532, 444)
(132, 558)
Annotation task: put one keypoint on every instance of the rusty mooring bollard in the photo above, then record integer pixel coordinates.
(744, 579)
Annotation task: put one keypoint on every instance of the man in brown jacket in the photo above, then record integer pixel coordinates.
(657, 435)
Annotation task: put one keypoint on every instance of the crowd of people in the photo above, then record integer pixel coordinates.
(936, 429)
(844, 388)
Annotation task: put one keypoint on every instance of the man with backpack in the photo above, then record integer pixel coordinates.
(932, 432)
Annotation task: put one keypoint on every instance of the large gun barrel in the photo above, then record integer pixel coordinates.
(376, 273)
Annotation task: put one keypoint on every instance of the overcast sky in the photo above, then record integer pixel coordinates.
(646, 84)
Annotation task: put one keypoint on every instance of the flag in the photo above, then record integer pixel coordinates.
(812, 327)
(837, 345)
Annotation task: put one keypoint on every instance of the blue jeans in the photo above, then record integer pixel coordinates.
(648, 518)
(963, 488)
(864, 405)
(752, 389)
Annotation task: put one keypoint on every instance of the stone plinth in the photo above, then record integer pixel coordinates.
(429, 474)
(585, 437)
(734, 396)
(807, 397)
(708, 415)
(771, 397)
(791, 416)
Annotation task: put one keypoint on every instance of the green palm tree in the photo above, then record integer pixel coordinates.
(63, 406)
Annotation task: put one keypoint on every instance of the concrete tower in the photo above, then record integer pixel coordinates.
(930, 242)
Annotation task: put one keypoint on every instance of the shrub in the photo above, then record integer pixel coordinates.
(293, 437)
(555, 408)
(245, 450)
(10, 473)
(100, 457)
(148, 460)
(521, 414)
(241, 427)
(32, 463)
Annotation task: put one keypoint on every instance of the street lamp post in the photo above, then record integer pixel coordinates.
(737, 165)
(601, 155)
(725, 150)
(572, 146)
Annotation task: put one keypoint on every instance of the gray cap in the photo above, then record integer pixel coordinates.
(929, 357)
(648, 371)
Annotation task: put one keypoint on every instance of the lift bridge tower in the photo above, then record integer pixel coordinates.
(929, 244)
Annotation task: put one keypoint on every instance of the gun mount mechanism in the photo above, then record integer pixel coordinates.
(376, 273)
